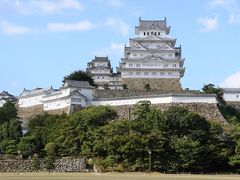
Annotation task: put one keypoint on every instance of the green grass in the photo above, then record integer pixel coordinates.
(111, 176)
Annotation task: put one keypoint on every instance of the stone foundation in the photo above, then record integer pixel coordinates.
(155, 84)
(59, 111)
(61, 165)
(209, 111)
(29, 112)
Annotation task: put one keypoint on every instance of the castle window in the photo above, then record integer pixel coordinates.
(169, 73)
(144, 33)
(146, 73)
(130, 73)
(159, 33)
(162, 73)
(155, 33)
(103, 77)
(151, 32)
(154, 73)
(169, 55)
(130, 65)
(165, 65)
(174, 65)
(138, 65)
(138, 73)
(237, 96)
(148, 33)
(97, 77)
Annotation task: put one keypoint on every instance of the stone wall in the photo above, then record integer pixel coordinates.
(234, 103)
(59, 111)
(61, 165)
(28, 112)
(108, 93)
(155, 84)
(209, 111)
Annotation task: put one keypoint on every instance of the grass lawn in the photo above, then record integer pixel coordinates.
(111, 176)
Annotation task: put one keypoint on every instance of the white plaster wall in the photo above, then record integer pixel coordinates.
(57, 104)
(30, 101)
(175, 74)
(231, 96)
(156, 100)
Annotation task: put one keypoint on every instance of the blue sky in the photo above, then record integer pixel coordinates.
(43, 40)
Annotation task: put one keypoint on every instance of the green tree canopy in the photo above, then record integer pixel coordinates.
(211, 89)
(79, 76)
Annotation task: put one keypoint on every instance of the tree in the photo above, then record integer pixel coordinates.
(49, 163)
(79, 76)
(29, 145)
(51, 149)
(35, 163)
(210, 89)
(7, 112)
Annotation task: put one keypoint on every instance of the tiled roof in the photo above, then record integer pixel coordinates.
(78, 84)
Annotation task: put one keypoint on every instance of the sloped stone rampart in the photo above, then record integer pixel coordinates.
(155, 84)
(209, 111)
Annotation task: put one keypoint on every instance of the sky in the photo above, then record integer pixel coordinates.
(41, 41)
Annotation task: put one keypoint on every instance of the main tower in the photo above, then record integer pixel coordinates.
(152, 58)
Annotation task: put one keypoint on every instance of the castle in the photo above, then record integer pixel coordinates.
(152, 58)
(150, 70)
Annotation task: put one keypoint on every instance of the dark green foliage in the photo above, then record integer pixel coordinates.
(147, 87)
(7, 112)
(178, 139)
(79, 76)
(211, 89)
(230, 113)
(35, 163)
(49, 163)
(81, 125)
(51, 149)
(29, 145)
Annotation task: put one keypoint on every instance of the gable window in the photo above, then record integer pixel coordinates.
(159, 33)
(155, 33)
(144, 33)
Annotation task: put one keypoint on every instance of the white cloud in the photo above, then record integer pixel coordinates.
(119, 25)
(233, 81)
(28, 7)
(113, 49)
(234, 18)
(63, 27)
(208, 24)
(13, 29)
